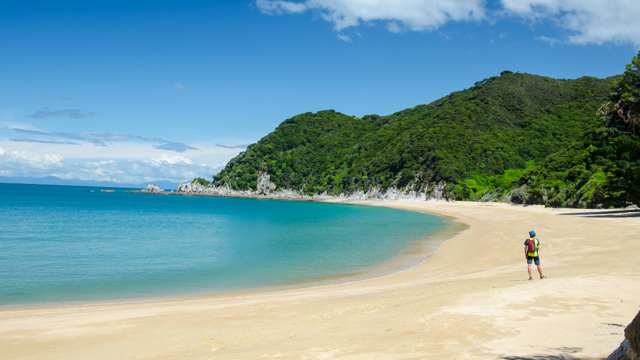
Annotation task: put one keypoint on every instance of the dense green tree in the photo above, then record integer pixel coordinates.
(625, 97)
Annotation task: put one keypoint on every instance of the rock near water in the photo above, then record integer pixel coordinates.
(154, 189)
(267, 189)
(630, 348)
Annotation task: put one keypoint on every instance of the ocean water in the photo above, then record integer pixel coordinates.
(65, 244)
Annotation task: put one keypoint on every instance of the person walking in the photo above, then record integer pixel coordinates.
(531, 248)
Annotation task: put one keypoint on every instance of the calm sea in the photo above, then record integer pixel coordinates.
(64, 243)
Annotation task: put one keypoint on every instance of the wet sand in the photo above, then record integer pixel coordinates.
(470, 300)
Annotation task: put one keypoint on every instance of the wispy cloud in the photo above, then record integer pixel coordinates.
(66, 99)
(98, 139)
(504, 35)
(47, 98)
(444, 36)
(173, 146)
(180, 86)
(27, 131)
(71, 113)
(103, 139)
(243, 146)
(45, 141)
(279, 7)
(393, 27)
(345, 38)
(551, 41)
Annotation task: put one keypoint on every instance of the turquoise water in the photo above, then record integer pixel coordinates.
(64, 243)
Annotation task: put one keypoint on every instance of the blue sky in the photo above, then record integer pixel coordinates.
(142, 91)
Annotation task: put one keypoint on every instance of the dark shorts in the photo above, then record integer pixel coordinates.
(533, 258)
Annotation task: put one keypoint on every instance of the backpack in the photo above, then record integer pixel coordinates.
(532, 246)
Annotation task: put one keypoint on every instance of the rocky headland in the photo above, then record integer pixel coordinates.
(267, 190)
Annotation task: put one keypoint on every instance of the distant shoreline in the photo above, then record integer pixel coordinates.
(239, 196)
(56, 181)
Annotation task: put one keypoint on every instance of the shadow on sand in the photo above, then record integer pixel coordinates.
(565, 353)
(607, 214)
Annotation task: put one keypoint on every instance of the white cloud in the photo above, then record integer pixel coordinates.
(25, 159)
(180, 86)
(416, 15)
(166, 159)
(164, 167)
(592, 21)
(588, 21)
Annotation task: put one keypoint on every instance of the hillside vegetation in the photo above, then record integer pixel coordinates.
(602, 167)
(514, 137)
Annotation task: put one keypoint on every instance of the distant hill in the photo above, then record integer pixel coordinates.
(53, 180)
(502, 123)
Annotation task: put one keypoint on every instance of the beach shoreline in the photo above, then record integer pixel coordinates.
(470, 300)
(413, 255)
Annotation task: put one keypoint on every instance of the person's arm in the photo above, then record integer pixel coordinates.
(526, 251)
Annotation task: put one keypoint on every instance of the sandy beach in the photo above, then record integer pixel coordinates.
(471, 300)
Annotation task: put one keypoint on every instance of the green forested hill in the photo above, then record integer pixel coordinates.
(501, 124)
(602, 167)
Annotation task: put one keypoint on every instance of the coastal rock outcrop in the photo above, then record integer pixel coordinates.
(154, 189)
(266, 189)
(630, 348)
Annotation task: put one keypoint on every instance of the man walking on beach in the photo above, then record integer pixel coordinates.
(531, 248)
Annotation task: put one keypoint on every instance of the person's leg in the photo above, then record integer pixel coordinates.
(539, 268)
(529, 267)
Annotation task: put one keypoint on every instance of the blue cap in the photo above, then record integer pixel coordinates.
(532, 233)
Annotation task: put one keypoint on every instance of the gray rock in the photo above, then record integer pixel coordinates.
(153, 188)
(629, 349)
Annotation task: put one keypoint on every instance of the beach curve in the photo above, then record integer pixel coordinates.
(470, 300)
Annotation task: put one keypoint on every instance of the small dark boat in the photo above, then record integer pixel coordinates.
(90, 190)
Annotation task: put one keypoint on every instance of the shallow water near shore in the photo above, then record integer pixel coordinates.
(65, 244)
